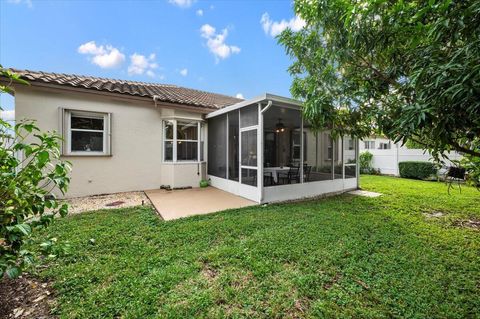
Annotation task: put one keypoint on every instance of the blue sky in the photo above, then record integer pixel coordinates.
(220, 46)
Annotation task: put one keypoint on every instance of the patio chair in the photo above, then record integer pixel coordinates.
(293, 174)
(454, 174)
(306, 172)
(268, 179)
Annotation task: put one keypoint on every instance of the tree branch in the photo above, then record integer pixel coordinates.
(463, 149)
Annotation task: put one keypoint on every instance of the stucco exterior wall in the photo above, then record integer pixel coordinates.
(136, 139)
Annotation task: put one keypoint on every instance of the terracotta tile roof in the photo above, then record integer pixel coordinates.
(164, 92)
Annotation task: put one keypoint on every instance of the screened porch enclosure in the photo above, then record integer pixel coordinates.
(265, 151)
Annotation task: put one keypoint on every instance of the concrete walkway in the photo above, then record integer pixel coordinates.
(195, 201)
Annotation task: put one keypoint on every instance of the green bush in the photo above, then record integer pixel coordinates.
(31, 171)
(365, 160)
(417, 169)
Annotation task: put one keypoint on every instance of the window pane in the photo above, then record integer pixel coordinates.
(338, 158)
(249, 176)
(187, 151)
(281, 127)
(168, 151)
(87, 123)
(318, 163)
(249, 116)
(187, 130)
(233, 146)
(217, 146)
(169, 130)
(249, 148)
(350, 159)
(87, 141)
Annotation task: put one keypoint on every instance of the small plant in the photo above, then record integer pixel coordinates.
(365, 160)
(417, 169)
(203, 183)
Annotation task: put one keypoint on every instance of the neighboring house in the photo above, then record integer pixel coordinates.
(387, 154)
(125, 136)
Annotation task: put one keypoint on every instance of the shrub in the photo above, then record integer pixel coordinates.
(417, 169)
(27, 185)
(365, 160)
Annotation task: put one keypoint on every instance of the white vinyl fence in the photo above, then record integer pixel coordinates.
(386, 160)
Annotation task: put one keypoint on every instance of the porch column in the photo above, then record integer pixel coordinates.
(260, 153)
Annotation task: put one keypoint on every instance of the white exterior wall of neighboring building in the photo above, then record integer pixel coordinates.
(387, 159)
(136, 160)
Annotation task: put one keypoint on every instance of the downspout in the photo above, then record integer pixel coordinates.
(269, 104)
(155, 98)
(261, 131)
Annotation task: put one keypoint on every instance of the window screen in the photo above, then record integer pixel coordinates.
(249, 148)
(249, 116)
(249, 176)
(233, 145)
(338, 158)
(217, 146)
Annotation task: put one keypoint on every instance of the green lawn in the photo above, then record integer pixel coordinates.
(344, 256)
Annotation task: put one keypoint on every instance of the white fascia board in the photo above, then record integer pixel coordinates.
(264, 97)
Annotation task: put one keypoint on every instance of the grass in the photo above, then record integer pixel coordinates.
(344, 256)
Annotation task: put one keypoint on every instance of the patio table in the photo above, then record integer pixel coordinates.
(275, 171)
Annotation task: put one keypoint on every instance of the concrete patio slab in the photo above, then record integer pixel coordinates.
(195, 201)
(359, 192)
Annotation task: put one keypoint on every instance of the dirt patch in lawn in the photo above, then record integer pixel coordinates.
(25, 297)
(434, 214)
(472, 223)
(209, 272)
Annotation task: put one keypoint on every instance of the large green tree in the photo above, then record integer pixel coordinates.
(407, 69)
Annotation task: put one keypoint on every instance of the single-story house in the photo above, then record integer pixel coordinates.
(125, 136)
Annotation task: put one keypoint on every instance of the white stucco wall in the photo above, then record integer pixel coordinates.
(136, 138)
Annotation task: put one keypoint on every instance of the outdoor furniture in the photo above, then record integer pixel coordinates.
(293, 174)
(454, 174)
(306, 172)
(268, 179)
(275, 171)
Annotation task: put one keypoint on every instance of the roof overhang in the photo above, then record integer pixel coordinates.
(277, 100)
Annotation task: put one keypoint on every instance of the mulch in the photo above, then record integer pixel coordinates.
(26, 297)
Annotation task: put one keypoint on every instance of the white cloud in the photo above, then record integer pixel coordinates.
(184, 72)
(182, 3)
(103, 56)
(199, 12)
(8, 115)
(274, 28)
(27, 2)
(239, 96)
(140, 64)
(216, 42)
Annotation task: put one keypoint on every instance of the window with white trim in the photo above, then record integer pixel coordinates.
(384, 146)
(183, 140)
(369, 145)
(87, 133)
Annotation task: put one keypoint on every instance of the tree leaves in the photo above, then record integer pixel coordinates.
(407, 69)
(30, 171)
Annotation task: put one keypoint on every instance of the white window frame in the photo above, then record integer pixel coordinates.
(369, 145)
(175, 140)
(67, 120)
(385, 145)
